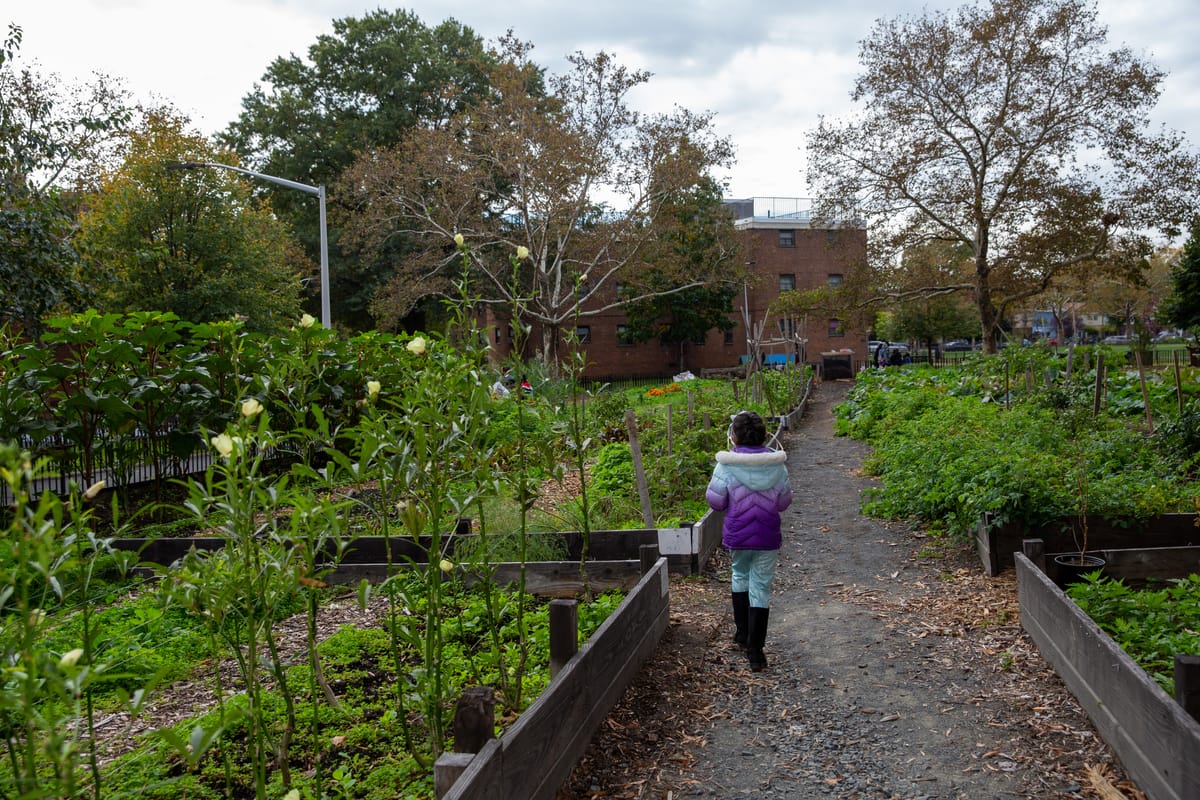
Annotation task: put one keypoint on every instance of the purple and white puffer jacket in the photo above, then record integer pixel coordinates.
(750, 484)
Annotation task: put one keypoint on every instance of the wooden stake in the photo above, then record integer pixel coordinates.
(446, 771)
(1187, 684)
(1137, 358)
(1178, 385)
(670, 428)
(648, 553)
(638, 470)
(474, 719)
(1099, 385)
(564, 633)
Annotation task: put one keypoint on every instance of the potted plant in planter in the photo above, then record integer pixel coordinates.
(1071, 567)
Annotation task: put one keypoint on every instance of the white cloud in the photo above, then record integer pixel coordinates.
(768, 69)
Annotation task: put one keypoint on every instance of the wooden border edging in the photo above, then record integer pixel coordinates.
(1156, 740)
(545, 578)
(686, 548)
(536, 755)
(997, 543)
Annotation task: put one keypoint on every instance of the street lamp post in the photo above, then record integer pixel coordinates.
(319, 191)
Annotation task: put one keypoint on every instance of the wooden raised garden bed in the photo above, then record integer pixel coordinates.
(996, 544)
(686, 548)
(536, 755)
(1156, 739)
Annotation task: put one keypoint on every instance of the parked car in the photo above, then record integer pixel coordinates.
(1116, 340)
(957, 345)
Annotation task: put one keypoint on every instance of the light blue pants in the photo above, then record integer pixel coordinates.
(754, 571)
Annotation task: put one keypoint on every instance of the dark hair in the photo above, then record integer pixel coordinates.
(748, 429)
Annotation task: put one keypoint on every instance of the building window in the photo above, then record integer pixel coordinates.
(787, 238)
(787, 327)
(701, 339)
(835, 328)
(497, 336)
(584, 334)
(624, 339)
(835, 279)
(729, 336)
(787, 283)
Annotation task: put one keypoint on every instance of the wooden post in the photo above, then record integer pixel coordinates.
(1137, 358)
(564, 633)
(1178, 385)
(446, 771)
(691, 409)
(1099, 384)
(670, 428)
(1035, 551)
(649, 555)
(474, 719)
(1187, 684)
(707, 420)
(1007, 390)
(638, 470)
(1070, 360)
(733, 384)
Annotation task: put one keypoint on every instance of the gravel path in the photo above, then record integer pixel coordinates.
(896, 671)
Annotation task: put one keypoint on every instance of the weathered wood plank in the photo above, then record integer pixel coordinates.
(1138, 566)
(1157, 742)
(544, 578)
(538, 752)
(996, 545)
(606, 545)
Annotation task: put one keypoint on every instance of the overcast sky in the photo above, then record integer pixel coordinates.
(768, 69)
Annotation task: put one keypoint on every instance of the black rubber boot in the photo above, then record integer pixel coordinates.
(741, 607)
(756, 637)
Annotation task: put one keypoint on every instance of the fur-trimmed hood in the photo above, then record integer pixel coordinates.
(757, 469)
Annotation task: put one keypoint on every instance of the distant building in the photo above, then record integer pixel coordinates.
(787, 250)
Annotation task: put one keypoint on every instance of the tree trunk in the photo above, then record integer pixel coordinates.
(983, 294)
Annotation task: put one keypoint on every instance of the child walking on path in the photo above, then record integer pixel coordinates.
(750, 484)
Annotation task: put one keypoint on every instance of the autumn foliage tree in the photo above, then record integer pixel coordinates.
(54, 138)
(573, 175)
(195, 243)
(363, 86)
(1009, 128)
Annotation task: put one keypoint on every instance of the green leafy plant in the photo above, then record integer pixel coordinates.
(1151, 625)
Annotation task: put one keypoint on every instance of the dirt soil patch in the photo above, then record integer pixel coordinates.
(897, 670)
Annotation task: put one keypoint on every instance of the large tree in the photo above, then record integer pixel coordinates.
(1181, 307)
(519, 169)
(195, 243)
(361, 87)
(53, 139)
(696, 237)
(1010, 128)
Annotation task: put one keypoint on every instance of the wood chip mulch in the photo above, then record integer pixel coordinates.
(647, 745)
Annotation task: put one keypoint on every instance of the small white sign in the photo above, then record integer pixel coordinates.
(676, 541)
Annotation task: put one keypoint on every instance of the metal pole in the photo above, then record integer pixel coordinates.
(326, 315)
(319, 191)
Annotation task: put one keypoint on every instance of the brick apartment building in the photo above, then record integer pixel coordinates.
(787, 250)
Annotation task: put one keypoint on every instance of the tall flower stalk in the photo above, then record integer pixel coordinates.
(46, 712)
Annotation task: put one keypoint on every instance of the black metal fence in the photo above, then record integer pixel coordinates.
(119, 461)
